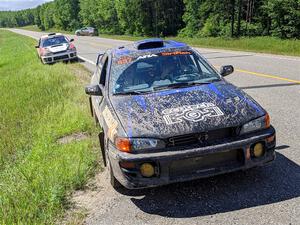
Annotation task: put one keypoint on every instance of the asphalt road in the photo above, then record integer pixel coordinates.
(267, 195)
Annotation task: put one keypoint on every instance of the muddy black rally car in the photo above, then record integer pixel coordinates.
(168, 116)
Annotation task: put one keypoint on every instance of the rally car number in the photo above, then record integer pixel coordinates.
(194, 113)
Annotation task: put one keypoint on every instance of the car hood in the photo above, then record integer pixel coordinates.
(58, 48)
(183, 111)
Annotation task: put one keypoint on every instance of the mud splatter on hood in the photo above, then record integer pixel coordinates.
(187, 110)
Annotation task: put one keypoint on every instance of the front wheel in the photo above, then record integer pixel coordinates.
(110, 174)
(112, 180)
(74, 60)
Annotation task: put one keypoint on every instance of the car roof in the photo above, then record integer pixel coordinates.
(149, 45)
(51, 35)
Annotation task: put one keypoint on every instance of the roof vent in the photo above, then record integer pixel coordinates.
(149, 44)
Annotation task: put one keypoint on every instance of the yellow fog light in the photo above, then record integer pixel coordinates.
(147, 170)
(258, 150)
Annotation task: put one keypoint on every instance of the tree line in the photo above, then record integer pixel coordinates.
(191, 18)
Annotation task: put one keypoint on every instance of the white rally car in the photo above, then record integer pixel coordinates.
(56, 47)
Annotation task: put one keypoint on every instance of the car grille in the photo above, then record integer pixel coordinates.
(61, 57)
(203, 139)
(206, 164)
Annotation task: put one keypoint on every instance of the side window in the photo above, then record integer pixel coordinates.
(104, 69)
(102, 60)
(99, 67)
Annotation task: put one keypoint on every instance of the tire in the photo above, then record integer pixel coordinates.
(109, 174)
(112, 180)
(75, 60)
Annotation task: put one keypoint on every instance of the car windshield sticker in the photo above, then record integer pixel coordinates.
(127, 59)
(194, 113)
(175, 53)
(124, 60)
(147, 56)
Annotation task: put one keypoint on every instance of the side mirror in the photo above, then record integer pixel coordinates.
(71, 40)
(93, 90)
(226, 70)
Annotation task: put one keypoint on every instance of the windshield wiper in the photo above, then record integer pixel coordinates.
(179, 85)
(132, 93)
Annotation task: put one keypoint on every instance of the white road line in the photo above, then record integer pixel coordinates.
(86, 60)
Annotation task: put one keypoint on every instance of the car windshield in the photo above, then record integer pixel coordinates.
(147, 73)
(57, 40)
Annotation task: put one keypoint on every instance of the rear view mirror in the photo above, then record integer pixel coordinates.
(71, 40)
(226, 70)
(93, 90)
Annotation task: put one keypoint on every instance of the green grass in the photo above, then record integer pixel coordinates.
(35, 28)
(38, 105)
(31, 28)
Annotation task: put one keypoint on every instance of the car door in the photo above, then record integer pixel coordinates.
(90, 31)
(99, 78)
(83, 31)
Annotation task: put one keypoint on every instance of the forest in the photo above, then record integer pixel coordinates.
(160, 18)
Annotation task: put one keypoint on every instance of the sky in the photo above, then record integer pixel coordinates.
(6, 5)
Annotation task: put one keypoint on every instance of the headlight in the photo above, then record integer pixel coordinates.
(136, 144)
(257, 124)
(46, 52)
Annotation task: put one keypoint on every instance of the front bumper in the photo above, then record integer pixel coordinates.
(62, 56)
(184, 164)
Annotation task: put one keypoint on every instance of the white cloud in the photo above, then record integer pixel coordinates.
(20, 4)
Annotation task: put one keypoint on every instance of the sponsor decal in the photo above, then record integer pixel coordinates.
(147, 56)
(194, 113)
(176, 53)
(124, 60)
(111, 123)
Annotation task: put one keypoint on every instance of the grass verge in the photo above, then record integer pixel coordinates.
(35, 28)
(270, 45)
(39, 105)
